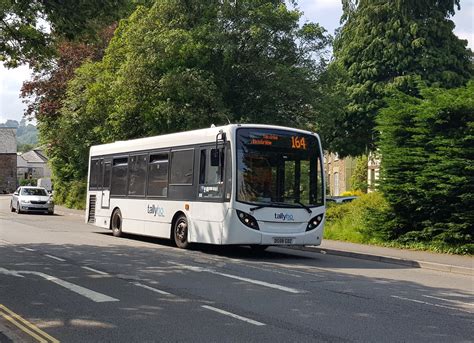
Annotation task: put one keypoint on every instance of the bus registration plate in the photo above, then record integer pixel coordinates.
(283, 240)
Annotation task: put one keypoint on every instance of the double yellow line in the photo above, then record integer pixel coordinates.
(26, 326)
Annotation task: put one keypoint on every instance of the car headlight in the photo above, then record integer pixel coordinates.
(50, 202)
(23, 201)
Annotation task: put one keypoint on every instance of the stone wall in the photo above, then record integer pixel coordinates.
(7, 173)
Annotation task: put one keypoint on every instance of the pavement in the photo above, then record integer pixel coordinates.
(413, 258)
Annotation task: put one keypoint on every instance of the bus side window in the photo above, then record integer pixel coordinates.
(228, 173)
(119, 176)
(181, 171)
(158, 175)
(137, 175)
(94, 179)
(210, 176)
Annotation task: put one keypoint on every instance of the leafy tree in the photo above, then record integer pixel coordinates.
(29, 29)
(359, 176)
(183, 65)
(427, 175)
(388, 44)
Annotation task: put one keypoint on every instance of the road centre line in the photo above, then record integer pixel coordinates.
(430, 304)
(151, 288)
(95, 270)
(55, 258)
(26, 326)
(448, 300)
(28, 249)
(256, 282)
(85, 292)
(248, 320)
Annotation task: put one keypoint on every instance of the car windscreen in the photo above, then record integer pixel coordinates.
(34, 191)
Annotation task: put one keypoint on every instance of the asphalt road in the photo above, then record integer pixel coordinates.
(78, 283)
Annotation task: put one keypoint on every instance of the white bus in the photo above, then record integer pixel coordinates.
(256, 185)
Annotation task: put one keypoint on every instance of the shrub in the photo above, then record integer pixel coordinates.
(355, 221)
(71, 194)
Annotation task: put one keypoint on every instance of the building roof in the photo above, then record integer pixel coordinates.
(7, 140)
(35, 156)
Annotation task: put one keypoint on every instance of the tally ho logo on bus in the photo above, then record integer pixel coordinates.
(284, 216)
(156, 210)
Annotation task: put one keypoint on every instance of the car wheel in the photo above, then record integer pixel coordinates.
(180, 232)
(18, 211)
(116, 223)
(50, 213)
(12, 209)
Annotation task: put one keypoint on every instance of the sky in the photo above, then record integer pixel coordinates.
(325, 12)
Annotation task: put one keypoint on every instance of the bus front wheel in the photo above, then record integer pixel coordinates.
(116, 223)
(180, 232)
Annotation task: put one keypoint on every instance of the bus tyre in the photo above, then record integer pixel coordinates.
(258, 248)
(180, 232)
(116, 223)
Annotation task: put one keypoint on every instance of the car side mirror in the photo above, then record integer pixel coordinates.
(16, 193)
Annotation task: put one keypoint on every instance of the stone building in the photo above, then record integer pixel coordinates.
(8, 161)
(33, 164)
(338, 173)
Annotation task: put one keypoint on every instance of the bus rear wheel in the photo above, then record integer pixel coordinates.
(116, 223)
(180, 232)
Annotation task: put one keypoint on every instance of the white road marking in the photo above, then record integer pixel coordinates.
(248, 320)
(28, 249)
(55, 258)
(430, 304)
(95, 270)
(85, 292)
(151, 288)
(256, 282)
(449, 300)
(10, 272)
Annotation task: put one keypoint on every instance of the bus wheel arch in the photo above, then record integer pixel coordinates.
(180, 230)
(116, 222)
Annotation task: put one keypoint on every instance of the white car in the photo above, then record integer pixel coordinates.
(32, 199)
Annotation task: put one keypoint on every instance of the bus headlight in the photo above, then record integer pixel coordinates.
(247, 220)
(314, 222)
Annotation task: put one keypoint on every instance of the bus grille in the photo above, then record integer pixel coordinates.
(92, 203)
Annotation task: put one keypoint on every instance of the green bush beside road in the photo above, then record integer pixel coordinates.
(362, 221)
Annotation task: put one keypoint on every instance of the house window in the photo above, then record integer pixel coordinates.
(336, 183)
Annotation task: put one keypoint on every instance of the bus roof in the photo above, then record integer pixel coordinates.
(177, 139)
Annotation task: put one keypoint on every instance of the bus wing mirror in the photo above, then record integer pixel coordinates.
(215, 157)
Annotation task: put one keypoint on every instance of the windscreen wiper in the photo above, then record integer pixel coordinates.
(270, 204)
(304, 206)
(259, 207)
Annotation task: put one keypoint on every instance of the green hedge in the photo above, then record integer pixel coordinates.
(71, 194)
(364, 220)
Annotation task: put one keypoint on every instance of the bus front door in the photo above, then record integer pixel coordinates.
(105, 197)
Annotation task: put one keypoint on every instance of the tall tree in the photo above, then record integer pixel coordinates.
(29, 29)
(427, 145)
(182, 65)
(387, 44)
